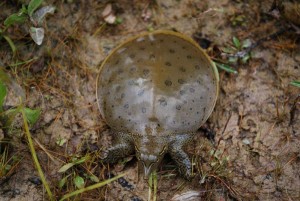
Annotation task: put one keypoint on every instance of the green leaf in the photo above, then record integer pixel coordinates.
(94, 178)
(61, 141)
(33, 5)
(79, 182)
(63, 181)
(246, 43)
(236, 42)
(66, 167)
(226, 68)
(295, 83)
(118, 20)
(3, 93)
(233, 60)
(228, 50)
(245, 58)
(16, 18)
(81, 160)
(32, 115)
(11, 44)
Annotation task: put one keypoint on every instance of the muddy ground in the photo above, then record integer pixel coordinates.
(248, 149)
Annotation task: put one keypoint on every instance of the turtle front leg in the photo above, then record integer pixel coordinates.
(121, 148)
(179, 156)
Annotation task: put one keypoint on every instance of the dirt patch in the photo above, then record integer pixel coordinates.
(253, 153)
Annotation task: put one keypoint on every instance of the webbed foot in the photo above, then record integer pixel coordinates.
(180, 157)
(121, 148)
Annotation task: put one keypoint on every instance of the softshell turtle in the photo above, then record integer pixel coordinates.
(154, 91)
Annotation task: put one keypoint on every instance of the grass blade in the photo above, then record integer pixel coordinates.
(11, 44)
(295, 83)
(34, 156)
(98, 185)
(226, 68)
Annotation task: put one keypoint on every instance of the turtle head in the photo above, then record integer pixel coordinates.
(149, 151)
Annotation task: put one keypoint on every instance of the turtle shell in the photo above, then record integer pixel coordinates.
(157, 83)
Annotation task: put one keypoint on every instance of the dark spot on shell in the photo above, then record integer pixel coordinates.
(168, 64)
(192, 90)
(198, 112)
(126, 106)
(152, 56)
(146, 72)
(210, 98)
(197, 67)
(188, 123)
(118, 88)
(182, 92)
(174, 122)
(161, 40)
(112, 106)
(142, 48)
(182, 122)
(117, 62)
(172, 51)
(158, 125)
(151, 43)
(201, 97)
(119, 117)
(191, 108)
(143, 110)
(129, 120)
(168, 83)
(129, 113)
(189, 56)
(183, 47)
(174, 41)
(132, 70)
(181, 81)
(131, 82)
(141, 92)
(178, 107)
(162, 102)
(182, 69)
(193, 100)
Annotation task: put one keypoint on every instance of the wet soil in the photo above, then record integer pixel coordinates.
(248, 149)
